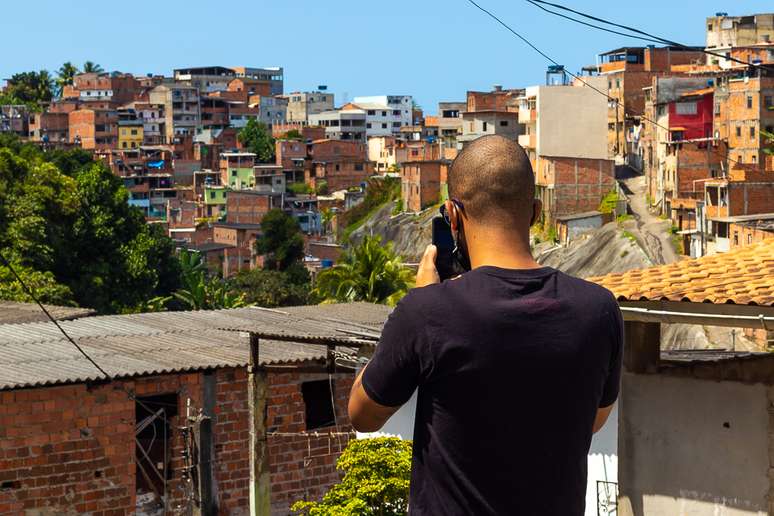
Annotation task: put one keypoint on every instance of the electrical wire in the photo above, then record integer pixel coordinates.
(658, 39)
(577, 77)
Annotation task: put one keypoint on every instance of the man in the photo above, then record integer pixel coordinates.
(517, 365)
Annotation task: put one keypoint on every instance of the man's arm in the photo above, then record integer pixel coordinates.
(365, 414)
(601, 418)
(394, 362)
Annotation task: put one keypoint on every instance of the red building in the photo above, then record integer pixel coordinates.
(691, 117)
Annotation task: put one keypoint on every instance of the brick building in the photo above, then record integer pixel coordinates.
(577, 185)
(341, 164)
(248, 207)
(241, 237)
(421, 183)
(114, 88)
(94, 128)
(627, 71)
(179, 406)
(49, 127)
(496, 100)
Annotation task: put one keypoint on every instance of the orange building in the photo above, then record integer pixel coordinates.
(94, 128)
(421, 183)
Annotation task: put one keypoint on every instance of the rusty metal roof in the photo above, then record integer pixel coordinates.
(37, 354)
(14, 313)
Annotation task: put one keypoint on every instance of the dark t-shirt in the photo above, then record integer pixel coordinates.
(511, 366)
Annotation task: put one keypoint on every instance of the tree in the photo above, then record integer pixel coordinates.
(201, 292)
(30, 88)
(367, 272)
(256, 137)
(769, 137)
(376, 480)
(65, 220)
(270, 288)
(293, 134)
(65, 76)
(280, 241)
(91, 67)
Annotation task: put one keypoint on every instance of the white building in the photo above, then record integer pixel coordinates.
(386, 114)
(341, 124)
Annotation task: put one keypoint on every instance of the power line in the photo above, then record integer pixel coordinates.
(53, 320)
(658, 39)
(577, 77)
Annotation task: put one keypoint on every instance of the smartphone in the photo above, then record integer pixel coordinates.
(444, 242)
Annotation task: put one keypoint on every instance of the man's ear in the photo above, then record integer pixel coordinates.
(454, 214)
(537, 208)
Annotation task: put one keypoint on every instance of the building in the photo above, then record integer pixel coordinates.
(130, 132)
(742, 230)
(250, 87)
(15, 119)
(449, 122)
(248, 206)
(153, 122)
(496, 100)
(269, 179)
(381, 150)
(271, 110)
(49, 127)
(421, 183)
(182, 113)
(566, 140)
(725, 33)
(481, 123)
(114, 88)
(569, 227)
(236, 169)
(240, 237)
(339, 164)
(303, 104)
(342, 125)
(185, 412)
(209, 79)
(292, 156)
(710, 449)
(273, 74)
(94, 128)
(744, 106)
(627, 71)
(386, 113)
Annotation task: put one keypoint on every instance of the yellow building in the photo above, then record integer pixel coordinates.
(130, 134)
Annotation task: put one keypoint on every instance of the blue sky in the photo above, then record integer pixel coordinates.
(433, 49)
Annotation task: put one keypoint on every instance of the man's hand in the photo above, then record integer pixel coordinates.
(427, 274)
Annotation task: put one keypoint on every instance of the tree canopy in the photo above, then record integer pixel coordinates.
(28, 88)
(67, 229)
(280, 241)
(369, 272)
(256, 137)
(92, 67)
(272, 288)
(64, 76)
(377, 473)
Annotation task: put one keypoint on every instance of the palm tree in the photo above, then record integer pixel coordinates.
(45, 86)
(368, 272)
(92, 67)
(65, 76)
(200, 292)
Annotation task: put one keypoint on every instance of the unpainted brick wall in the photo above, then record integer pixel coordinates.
(580, 184)
(71, 450)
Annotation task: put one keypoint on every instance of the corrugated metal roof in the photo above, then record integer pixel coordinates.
(14, 313)
(38, 354)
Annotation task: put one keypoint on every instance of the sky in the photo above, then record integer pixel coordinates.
(435, 50)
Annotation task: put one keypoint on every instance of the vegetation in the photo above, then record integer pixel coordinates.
(369, 272)
(379, 191)
(65, 76)
(300, 188)
(376, 480)
(256, 137)
(28, 88)
(321, 187)
(281, 242)
(608, 203)
(676, 239)
(769, 137)
(629, 235)
(623, 218)
(271, 288)
(201, 292)
(293, 134)
(68, 231)
(91, 67)
(398, 208)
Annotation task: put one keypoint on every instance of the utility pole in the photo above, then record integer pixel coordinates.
(260, 489)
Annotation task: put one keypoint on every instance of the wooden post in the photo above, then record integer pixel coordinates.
(260, 489)
(642, 347)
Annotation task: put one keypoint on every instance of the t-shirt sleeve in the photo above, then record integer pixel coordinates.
(394, 372)
(613, 381)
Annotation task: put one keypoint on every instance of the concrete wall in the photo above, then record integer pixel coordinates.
(572, 122)
(691, 446)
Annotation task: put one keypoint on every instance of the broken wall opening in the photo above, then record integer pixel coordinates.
(153, 449)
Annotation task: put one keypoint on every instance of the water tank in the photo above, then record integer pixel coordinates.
(326, 264)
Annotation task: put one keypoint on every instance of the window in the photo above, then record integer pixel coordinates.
(384, 113)
(233, 173)
(749, 238)
(749, 101)
(134, 132)
(752, 131)
(318, 403)
(736, 238)
(359, 167)
(396, 112)
(368, 125)
(738, 131)
(123, 145)
(610, 127)
(609, 85)
(709, 27)
(212, 195)
(503, 123)
(337, 167)
(686, 108)
(484, 127)
(396, 124)
(618, 83)
(371, 112)
(384, 126)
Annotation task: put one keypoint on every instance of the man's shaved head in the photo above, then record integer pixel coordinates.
(493, 178)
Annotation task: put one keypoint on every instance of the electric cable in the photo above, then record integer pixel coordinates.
(540, 3)
(578, 78)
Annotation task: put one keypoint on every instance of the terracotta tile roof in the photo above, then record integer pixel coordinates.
(744, 276)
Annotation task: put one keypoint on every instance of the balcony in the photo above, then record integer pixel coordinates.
(527, 141)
